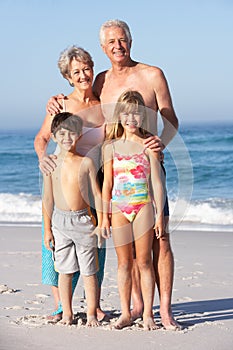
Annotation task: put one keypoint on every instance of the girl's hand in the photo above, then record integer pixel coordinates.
(49, 240)
(105, 229)
(159, 227)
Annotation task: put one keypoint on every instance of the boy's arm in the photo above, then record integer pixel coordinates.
(47, 210)
(158, 188)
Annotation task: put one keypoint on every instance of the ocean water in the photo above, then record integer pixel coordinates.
(198, 162)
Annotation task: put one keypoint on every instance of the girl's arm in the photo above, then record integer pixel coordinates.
(47, 211)
(97, 198)
(107, 188)
(159, 193)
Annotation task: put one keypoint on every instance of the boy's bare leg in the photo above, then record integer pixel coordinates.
(164, 271)
(65, 289)
(91, 289)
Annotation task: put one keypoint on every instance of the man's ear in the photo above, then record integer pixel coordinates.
(103, 48)
(130, 44)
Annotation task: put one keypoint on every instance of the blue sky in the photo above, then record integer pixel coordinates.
(190, 40)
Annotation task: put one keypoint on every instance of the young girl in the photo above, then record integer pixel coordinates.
(130, 173)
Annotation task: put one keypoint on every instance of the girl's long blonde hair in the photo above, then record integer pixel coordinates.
(129, 101)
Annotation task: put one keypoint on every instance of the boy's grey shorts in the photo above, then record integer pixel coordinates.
(75, 250)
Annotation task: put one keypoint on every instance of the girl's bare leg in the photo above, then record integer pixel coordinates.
(122, 236)
(91, 290)
(65, 289)
(143, 244)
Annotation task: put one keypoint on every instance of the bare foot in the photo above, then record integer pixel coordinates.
(136, 314)
(54, 318)
(92, 321)
(66, 321)
(101, 316)
(123, 322)
(149, 324)
(170, 324)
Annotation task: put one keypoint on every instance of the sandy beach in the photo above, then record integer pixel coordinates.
(202, 298)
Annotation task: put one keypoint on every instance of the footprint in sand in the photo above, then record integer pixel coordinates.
(4, 289)
(15, 307)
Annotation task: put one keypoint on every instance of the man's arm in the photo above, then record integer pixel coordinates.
(158, 188)
(166, 109)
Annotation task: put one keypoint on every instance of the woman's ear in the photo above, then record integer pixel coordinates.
(53, 137)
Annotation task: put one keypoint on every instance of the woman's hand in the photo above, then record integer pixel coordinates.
(53, 106)
(47, 164)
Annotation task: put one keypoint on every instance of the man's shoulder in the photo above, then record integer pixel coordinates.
(149, 68)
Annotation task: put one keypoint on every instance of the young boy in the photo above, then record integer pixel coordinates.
(68, 226)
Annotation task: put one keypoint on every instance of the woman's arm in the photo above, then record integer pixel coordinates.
(47, 211)
(46, 162)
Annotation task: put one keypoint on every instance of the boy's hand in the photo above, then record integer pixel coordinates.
(97, 232)
(49, 240)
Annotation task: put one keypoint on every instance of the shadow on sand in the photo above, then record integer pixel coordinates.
(197, 312)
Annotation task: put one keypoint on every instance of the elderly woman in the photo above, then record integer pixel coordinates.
(76, 66)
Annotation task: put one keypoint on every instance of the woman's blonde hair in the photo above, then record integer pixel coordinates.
(130, 102)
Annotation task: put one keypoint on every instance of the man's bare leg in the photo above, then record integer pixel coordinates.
(65, 289)
(90, 286)
(164, 272)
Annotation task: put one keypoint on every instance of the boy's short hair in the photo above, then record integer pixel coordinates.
(67, 121)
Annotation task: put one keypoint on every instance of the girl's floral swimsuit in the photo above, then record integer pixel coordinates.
(131, 186)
